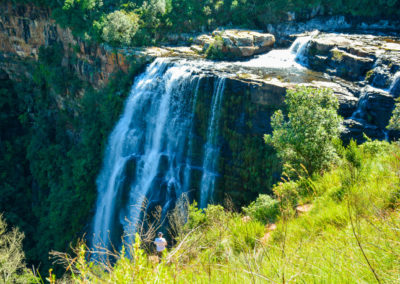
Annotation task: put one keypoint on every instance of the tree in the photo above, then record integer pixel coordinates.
(306, 137)
(394, 123)
(12, 258)
(120, 27)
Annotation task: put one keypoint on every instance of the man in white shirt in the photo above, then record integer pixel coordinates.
(161, 243)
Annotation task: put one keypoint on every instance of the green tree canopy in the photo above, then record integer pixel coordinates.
(120, 27)
(394, 122)
(306, 136)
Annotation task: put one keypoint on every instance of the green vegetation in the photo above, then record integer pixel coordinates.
(120, 28)
(394, 122)
(336, 226)
(149, 22)
(348, 234)
(307, 138)
(53, 131)
(12, 258)
(264, 209)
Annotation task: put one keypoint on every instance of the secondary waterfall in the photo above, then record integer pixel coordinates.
(282, 58)
(148, 157)
(210, 148)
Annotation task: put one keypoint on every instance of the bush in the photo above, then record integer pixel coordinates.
(305, 140)
(120, 27)
(265, 209)
(12, 258)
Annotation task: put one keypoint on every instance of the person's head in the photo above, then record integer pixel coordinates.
(160, 234)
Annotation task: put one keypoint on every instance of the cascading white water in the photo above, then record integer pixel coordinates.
(148, 157)
(282, 58)
(394, 88)
(211, 150)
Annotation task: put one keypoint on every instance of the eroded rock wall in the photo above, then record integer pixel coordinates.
(24, 29)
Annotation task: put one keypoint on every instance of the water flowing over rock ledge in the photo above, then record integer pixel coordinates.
(344, 62)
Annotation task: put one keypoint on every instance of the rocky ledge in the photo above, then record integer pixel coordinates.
(373, 64)
(355, 57)
(234, 43)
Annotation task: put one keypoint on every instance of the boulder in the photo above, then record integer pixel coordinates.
(236, 43)
(379, 77)
(354, 129)
(350, 66)
(377, 105)
(270, 93)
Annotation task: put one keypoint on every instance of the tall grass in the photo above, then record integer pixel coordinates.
(351, 234)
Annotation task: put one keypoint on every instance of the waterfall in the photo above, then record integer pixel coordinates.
(292, 57)
(211, 150)
(148, 159)
(394, 88)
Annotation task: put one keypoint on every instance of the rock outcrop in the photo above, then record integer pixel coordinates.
(235, 43)
(355, 57)
(373, 63)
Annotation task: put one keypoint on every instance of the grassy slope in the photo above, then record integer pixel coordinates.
(349, 203)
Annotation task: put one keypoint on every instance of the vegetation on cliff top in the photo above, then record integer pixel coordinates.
(141, 22)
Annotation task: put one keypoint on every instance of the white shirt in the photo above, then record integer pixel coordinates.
(160, 243)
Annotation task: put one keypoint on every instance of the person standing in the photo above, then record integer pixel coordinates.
(161, 244)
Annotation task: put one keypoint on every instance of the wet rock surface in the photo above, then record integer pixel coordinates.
(372, 63)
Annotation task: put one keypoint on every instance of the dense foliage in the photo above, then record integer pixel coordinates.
(394, 122)
(51, 149)
(306, 138)
(348, 234)
(147, 22)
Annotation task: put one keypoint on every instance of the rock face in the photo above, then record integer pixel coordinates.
(353, 56)
(24, 29)
(375, 107)
(236, 43)
(284, 31)
(372, 62)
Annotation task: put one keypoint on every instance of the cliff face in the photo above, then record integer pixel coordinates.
(26, 28)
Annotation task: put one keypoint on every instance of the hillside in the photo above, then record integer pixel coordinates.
(118, 117)
(339, 227)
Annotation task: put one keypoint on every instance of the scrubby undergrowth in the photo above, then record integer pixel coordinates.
(342, 226)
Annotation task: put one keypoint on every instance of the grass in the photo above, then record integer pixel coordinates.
(350, 235)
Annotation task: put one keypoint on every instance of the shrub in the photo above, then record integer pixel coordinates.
(306, 137)
(120, 27)
(215, 49)
(12, 258)
(265, 209)
(196, 217)
(394, 123)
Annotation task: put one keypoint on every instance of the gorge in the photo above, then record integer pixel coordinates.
(101, 132)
